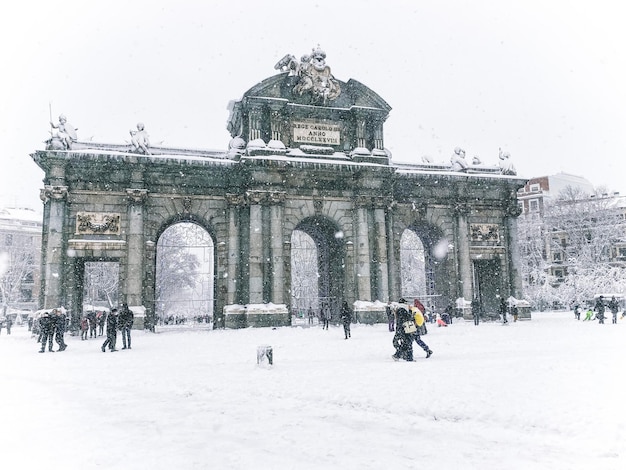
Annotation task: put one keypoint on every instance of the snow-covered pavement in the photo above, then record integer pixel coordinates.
(541, 394)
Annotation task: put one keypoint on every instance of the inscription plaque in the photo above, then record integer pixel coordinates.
(320, 133)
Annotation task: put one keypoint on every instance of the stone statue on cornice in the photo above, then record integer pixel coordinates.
(506, 165)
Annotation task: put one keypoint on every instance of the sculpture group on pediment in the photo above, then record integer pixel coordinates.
(460, 164)
(314, 76)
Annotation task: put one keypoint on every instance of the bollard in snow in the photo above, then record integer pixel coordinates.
(264, 352)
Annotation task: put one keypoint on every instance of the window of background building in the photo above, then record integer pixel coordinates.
(533, 205)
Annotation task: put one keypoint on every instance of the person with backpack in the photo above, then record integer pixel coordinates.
(418, 318)
(403, 337)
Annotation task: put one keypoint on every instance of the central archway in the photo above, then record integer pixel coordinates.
(185, 279)
(317, 266)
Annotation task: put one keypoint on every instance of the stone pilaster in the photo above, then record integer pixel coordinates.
(381, 247)
(55, 198)
(510, 224)
(235, 202)
(135, 246)
(362, 249)
(256, 246)
(461, 212)
(277, 199)
(394, 281)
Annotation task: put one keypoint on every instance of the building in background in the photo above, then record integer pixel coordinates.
(20, 258)
(572, 240)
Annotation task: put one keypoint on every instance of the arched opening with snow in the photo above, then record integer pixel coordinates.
(317, 266)
(185, 271)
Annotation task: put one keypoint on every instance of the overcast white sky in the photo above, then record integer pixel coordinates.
(544, 80)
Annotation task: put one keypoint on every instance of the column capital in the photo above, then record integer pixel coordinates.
(461, 208)
(235, 199)
(276, 197)
(363, 202)
(136, 196)
(56, 193)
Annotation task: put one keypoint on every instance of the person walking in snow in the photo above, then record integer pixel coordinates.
(476, 311)
(100, 318)
(503, 309)
(346, 318)
(390, 316)
(111, 331)
(613, 307)
(92, 321)
(325, 317)
(403, 337)
(418, 318)
(577, 311)
(84, 327)
(310, 314)
(46, 329)
(126, 320)
(59, 323)
(600, 309)
(588, 315)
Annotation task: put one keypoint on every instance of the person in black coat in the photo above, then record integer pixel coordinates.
(59, 321)
(126, 320)
(403, 339)
(476, 311)
(614, 307)
(346, 318)
(503, 310)
(599, 308)
(111, 331)
(47, 329)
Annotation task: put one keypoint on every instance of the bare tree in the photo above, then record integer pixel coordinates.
(17, 266)
(177, 266)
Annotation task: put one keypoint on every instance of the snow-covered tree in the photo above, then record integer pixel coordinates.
(177, 265)
(575, 238)
(100, 283)
(17, 265)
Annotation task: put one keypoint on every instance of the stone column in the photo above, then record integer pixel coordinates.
(235, 202)
(55, 198)
(277, 246)
(462, 242)
(362, 249)
(256, 247)
(381, 246)
(135, 246)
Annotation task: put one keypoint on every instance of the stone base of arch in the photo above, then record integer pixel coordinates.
(254, 315)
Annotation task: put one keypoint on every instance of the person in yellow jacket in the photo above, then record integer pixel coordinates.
(418, 317)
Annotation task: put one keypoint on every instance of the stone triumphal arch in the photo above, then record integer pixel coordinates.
(307, 154)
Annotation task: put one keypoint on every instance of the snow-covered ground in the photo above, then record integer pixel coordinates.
(542, 394)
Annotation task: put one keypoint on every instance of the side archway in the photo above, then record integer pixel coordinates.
(424, 266)
(317, 266)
